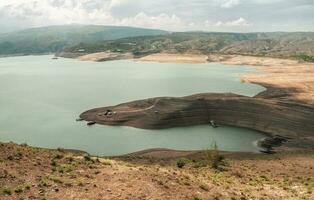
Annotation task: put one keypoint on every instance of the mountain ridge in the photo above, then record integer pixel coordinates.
(51, 39)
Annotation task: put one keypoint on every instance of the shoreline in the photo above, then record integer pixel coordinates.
(289, 88)
(260, 63)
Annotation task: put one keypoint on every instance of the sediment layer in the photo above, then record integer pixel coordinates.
(289, 119)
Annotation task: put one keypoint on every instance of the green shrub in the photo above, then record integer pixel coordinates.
(88, 158)
(213, 157)
(204, 187)
(182, 162)
(55, 179)
(53, 163)
(305, 57)
(58, 156)
(18, 190)
(27, 187)
(7, 191)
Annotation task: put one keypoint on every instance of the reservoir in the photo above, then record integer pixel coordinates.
(40, 98)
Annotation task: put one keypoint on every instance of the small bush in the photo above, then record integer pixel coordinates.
(88, 158)
(64, 168)
(305, 57)
(182, 162)
(56, 179)
(18, 190)
(204, 187)
(213, 157)
(53, 163)
(197, 198)
(27, 187)
(7, 191)
(58, 156)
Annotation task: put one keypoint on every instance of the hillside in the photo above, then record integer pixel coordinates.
(34, 173)
(54, 38)
(299, 45)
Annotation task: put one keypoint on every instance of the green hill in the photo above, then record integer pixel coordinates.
(277, 44)
(54, 38)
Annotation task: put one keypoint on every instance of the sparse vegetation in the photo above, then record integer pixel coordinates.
(214, 158)
(55, 179)
(135, 177)
(204, 187)
(18, 190)
(257, 44)
(305, 57)
(6, 191)
(54, 38)
(181, 162)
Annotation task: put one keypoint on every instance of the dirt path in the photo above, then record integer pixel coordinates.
(130, 110)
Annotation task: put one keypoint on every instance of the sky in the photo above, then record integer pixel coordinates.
(172, 15)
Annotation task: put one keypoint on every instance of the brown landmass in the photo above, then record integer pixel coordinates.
(105, 56)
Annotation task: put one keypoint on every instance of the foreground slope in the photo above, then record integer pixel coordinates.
(33, 173)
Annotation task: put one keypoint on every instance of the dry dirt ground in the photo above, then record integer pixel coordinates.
(294, 77)
(33, 173)
(175, 58)
(105, 56)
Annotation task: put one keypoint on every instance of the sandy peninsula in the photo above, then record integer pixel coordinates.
(175, 58)
(105, 56)
(294, 78)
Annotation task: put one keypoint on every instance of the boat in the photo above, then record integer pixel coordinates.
(213, 124)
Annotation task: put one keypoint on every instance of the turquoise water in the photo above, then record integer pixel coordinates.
(40, 99)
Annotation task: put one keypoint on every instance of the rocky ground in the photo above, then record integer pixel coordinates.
(33, 173)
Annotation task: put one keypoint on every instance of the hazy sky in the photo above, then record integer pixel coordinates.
(174, 15)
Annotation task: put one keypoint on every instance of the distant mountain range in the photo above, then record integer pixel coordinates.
(54, 38)
(278, 44)
(91, 38)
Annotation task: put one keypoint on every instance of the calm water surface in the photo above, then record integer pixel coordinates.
(40, 99)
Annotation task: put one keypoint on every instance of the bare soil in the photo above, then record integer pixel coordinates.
(294, 77)
(33, 173)
(175, 58)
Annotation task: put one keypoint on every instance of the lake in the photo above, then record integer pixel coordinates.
(40, 98)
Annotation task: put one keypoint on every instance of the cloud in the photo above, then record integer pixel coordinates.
(118, 3)
(225, 15)
(266, 1)
(170, 22)
(241, 22)
(229, 3)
